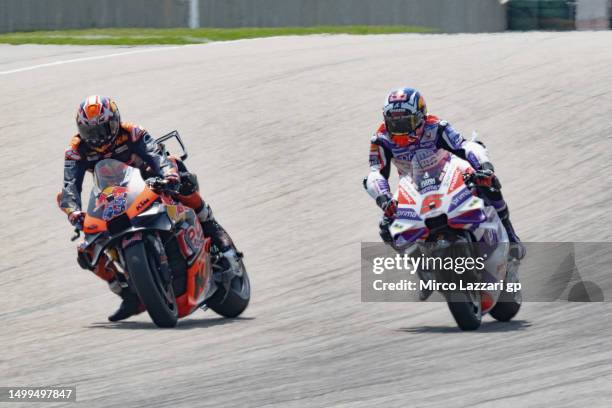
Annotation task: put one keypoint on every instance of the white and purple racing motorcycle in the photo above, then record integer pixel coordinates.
(440, 216)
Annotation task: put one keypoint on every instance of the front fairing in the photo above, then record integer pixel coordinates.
(435, 190)
(156, 218)
(115, 190)
(120, 203)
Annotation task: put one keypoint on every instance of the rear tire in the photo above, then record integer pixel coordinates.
(506, 308)
(145, 279)
(509, 303)
(236, 300)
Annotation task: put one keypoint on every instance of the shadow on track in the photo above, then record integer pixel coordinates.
(486, 327)
(186, 324)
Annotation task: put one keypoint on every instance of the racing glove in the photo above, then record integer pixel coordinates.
(485, 177)
(170, 183)
(76, 218)
(387, 204)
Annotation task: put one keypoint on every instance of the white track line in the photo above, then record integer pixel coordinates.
(97, 57)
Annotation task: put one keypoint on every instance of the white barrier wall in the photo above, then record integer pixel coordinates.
(442, 15)
(593, 14)
(28, 15)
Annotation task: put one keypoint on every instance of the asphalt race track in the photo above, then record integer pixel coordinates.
(278, 131)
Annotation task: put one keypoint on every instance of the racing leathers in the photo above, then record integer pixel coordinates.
(437, 137)
(135, 147)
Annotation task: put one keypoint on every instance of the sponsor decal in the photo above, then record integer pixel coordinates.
(398, 97)
(196, 236)
(407, 214)
(184, 247)
(454, 137)
(142, 204)
(473, 160)
(175, 212)
(114, 202)
(459, 199)
(382, 185)
(426, 181)
(405, 198)
(191, 240)
(404, 157)
(429, 189)
(456, 181)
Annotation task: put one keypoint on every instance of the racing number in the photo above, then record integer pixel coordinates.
(431, 202)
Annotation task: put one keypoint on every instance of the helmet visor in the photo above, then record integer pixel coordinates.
(402, 122)
(96, 135)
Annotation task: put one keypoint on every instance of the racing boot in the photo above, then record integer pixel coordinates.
(230, 258)
(130, 306)
(384, 232)
(424, 294)
(494, 197)
(517, 249)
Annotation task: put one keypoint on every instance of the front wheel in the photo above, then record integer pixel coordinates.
(466, 309)
(232, 302)
(145, 276)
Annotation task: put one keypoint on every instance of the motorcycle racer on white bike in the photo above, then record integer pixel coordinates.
(409, 132)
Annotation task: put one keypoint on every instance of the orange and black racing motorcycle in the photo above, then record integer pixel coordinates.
(157, 246)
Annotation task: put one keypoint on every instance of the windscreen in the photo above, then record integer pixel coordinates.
(428, 170)
(111, 173)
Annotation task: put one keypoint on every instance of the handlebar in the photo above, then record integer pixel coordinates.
(162, 185)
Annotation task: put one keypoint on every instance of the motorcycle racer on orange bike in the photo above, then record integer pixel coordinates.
(102, 135)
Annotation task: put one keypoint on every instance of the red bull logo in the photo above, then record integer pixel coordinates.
(113, 200)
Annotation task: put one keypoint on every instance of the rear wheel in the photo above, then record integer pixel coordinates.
(232, 302)
(145, 276)
(505, 311)
(509, 303)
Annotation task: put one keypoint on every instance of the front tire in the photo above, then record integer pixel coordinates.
(466, 309)
(158, 298)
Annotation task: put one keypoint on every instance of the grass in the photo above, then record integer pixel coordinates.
(154, 36)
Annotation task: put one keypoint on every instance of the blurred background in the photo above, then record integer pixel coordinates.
(447, 16)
